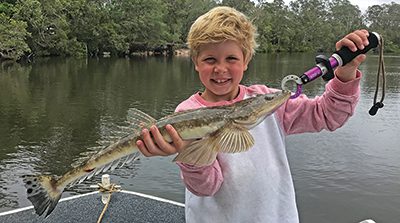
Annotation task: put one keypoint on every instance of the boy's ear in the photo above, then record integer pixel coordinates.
(246, 64)
(194, 62)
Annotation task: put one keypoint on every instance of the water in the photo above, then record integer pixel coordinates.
(55, 111)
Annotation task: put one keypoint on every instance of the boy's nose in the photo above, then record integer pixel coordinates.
(220, 68)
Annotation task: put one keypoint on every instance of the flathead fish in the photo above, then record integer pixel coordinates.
(211, 130)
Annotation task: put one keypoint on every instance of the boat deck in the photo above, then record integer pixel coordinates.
(125, 206)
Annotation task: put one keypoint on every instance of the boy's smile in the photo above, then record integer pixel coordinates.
(220, 67)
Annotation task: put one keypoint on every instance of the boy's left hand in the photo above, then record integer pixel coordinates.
(354, 41)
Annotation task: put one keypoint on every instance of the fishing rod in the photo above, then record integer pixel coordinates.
(325, 66)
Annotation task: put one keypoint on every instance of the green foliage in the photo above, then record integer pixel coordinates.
(6, 8)
(12, 38)
(141, 20)
(87, 20)
(89, 27)
(46, 24)
(193, 9)
(385, 19)
(274, 27)
(174, 19)
(245, 6)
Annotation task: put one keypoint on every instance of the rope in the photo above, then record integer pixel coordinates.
(381, 72)
(112, 188)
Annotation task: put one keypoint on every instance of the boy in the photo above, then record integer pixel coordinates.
(253, 186)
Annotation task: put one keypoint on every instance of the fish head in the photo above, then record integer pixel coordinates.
(254, 110)
(271, 102)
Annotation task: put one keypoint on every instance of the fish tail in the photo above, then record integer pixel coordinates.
(43, 193)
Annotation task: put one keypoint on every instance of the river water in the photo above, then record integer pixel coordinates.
(54, 112)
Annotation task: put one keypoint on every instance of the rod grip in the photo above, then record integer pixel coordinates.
(347, 55)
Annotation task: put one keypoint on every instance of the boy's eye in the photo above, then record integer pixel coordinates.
(209, 60)
(231, 58)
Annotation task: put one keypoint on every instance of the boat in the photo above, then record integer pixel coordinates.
(120, 206)
(123, 206)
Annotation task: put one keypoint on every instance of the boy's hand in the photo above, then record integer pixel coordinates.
(157, 146)
(354, 41)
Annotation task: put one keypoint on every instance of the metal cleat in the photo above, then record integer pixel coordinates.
(106, 188)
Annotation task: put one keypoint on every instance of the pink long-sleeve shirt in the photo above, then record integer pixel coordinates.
(256, 186)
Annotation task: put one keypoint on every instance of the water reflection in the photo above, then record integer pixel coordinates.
(54, 112)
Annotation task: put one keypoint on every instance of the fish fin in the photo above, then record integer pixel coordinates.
(233, 139)
(111, 166)
(115, 164)
(139, 119)
(43, 193)
(130, 158)
(199, 153)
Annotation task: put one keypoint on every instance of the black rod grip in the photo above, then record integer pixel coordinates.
(347, 55)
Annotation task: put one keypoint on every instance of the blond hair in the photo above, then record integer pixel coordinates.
(220, 24)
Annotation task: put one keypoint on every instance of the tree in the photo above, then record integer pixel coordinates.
(6, 8)
(385, 19)
(245, 6)
(141, 20)
(92, 26)
(343, 18)
(312, 22)
(47, 25)
(274, 26)
(12, 38)
(194, 8)
(174, 18)
(89, 27)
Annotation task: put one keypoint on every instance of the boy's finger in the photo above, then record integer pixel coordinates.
(348, 43)
(361, 39)
(163, 146)
(359, 59)
(176, 138)
(356, 61)
(142, 148)
(356, 39)
(363, 34)
(151, 147)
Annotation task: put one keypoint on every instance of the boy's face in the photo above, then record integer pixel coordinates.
(220, 67)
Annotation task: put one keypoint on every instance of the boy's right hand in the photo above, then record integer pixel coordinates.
(157, 146)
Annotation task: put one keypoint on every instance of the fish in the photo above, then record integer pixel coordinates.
(211, 130)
